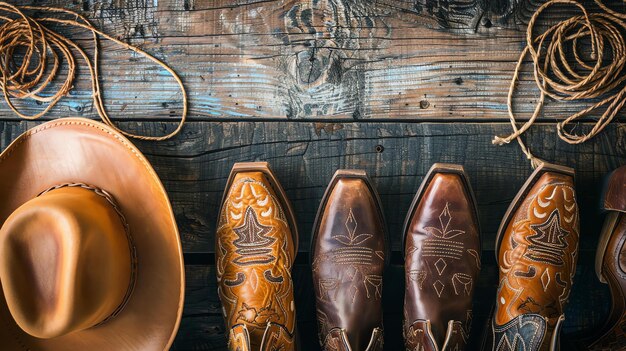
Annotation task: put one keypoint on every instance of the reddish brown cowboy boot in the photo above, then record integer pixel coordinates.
(348, 250)
(442, 261)
(256, 244)
(537, 249)
(611, 263)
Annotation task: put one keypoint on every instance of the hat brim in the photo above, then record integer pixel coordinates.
(77, 150)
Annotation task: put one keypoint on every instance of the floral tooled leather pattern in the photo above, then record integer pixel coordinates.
(538, 253)
(255, 254)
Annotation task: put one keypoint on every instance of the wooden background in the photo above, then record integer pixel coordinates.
(312, 86)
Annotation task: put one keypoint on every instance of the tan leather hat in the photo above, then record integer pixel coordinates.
(90, 256)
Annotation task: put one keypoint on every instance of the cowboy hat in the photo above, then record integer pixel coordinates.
(90, 256)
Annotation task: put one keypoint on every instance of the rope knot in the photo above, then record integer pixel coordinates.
(500, 141)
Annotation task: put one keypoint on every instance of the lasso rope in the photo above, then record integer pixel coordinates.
(570, 79)
(45, 49)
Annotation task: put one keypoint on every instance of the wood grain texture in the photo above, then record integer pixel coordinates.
(312, 60)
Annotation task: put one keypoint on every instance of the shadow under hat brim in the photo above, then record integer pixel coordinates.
(77, 150)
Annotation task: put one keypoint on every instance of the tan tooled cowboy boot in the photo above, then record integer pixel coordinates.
(537, 249)
(256, 244)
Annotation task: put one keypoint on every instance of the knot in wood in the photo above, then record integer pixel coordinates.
(310, 66)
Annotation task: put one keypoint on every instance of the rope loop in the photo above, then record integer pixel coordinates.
(31, 57)
(564, 69)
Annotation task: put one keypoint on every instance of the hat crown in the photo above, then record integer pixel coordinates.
(65, 261)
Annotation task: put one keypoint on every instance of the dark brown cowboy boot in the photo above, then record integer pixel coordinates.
(256, 244)
(537, 248)
(611, 263)
(442, 261)
(348, 251)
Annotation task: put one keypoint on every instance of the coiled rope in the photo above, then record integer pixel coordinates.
(44, 50)
(566, 78)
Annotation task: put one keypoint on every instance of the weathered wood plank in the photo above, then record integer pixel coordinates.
(339, 60)
(194, 166)
(202, 325)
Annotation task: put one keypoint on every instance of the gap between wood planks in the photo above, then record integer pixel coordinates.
(347, 120)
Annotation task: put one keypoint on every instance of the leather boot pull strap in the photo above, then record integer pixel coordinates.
(420, 336)
(239, 338)
(276, 337)
(337, 340)
(376, 342)
(456, 337)
(555, 340)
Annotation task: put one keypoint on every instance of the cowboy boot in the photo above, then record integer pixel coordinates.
(442, 261)
(611, 263)
(256, 243)
(537, 248)
(348, 251)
